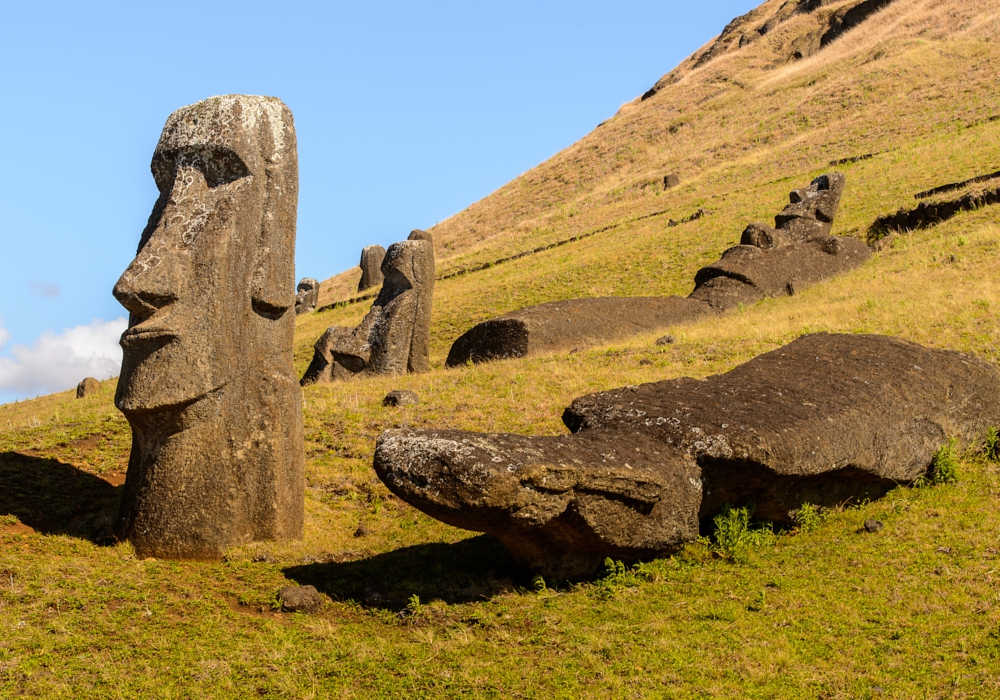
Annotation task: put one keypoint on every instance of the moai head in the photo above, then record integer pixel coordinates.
(811, 210)
(306, 296)
(208, 290)
(207, 382)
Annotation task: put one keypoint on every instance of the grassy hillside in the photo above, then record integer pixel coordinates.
(419, 609)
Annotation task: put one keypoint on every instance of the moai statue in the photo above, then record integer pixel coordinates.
(207, 383)
(808, 215)
(307, 296)
(394, 337)
(371, 267)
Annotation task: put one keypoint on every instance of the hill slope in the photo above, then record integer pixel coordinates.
(823, 611)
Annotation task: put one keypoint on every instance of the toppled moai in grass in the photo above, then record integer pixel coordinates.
(825, 420)
(770, 262)
(394, 337)
(563, 325)
(371, 267)
(306, 296)
(87, 387)
(207, 382)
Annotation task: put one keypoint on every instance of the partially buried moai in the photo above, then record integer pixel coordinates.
(207, 382)
(306, 296)
(394, 337)
(371, 267)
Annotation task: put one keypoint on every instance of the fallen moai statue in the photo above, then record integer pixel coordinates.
(306, 296)
(371, 267)
(570, 324)
(824, 420)
(769, 262)
(394, 337)
(207, 382)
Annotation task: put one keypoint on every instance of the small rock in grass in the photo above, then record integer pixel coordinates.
(362, 531)
(401, 397)
(300, 599)
(645, 362)
(372, 597)
(665, 340)
(872, 525)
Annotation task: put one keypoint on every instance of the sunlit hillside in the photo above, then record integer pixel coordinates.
(415, 608)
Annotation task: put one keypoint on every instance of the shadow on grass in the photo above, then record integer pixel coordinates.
(56, 498)
(474, 569)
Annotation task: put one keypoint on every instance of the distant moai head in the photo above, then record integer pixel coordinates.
(371, 267)
(214, 269)
(306, 296)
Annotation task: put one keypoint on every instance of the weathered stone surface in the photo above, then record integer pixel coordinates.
(769, 262)
(207, 381)
(825, 420)
(559, 504)
(87, 387)
(324, 368)
(394, 337)
(671, 180)
(300, 599)
(747, 274)
(401, 397)
(812, 209)
(371, 267)
(822, 420)
(418, 235)
(306, 296)
(563, 325)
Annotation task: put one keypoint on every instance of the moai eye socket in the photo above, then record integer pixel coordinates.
(218, 164)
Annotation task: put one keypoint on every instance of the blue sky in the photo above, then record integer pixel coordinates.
(406, 113)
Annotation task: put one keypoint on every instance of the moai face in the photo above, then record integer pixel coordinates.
(210, 286)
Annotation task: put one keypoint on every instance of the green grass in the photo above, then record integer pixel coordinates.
(415, 608)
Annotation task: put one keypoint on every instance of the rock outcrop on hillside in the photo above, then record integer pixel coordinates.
(822, 22)
(825, 420)
(770, 262)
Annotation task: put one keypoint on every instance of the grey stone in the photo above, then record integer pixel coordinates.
(87, 387)
(306, 296)
(665, 339)
(207, 382)
(371, 267)
(564, 325)
(812, 209)
(394, 337)
(300, 599)
(401, 397)
(872, 525)
(826, 420)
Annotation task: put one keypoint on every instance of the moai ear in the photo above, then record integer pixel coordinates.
(273, 290)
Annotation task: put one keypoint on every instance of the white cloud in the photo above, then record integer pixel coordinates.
(58, 362)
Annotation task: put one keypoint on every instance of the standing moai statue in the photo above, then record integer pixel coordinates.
(306, 296)
(371, 267)
(394, 337)
(207, 382)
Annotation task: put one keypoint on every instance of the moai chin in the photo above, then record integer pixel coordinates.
(207, 383)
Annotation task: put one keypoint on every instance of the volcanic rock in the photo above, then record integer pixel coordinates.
(207, 381)
(300, 599)
(394, 337)
(401, 397)
(371, 267)
(87, 387)
(812, 209)
(746, 274)
(563, 325)
(671, 180)
(307, 296)
(825, 420)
